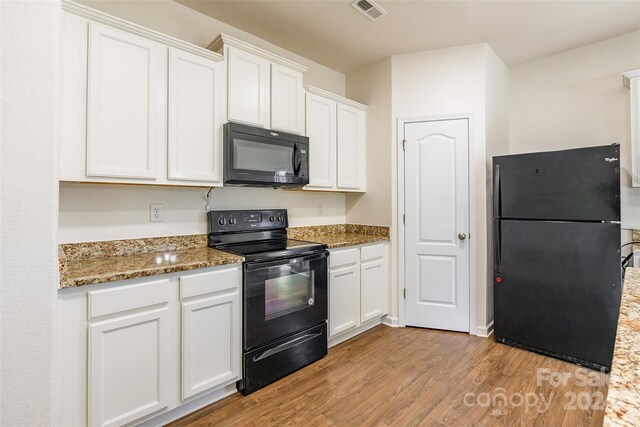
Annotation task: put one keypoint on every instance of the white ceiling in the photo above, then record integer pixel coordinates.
(332, 33)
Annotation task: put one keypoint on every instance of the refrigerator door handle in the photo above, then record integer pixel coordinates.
(497, 246)
(496, 191)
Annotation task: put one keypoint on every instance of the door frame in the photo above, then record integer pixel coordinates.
(401, 122)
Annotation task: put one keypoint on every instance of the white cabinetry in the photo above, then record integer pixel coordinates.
(211, 317)
(137, 106)
(632, 81)
(196, 104)
(358, 287)
(336, 128)
(264, 89)
(248, 87)
(126, 103)
(128, 354)
(287, 99)
(321, 130)
(143, 348)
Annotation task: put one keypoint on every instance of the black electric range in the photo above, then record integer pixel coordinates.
(284, 293)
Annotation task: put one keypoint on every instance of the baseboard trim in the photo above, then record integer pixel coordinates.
(353, 332)
(189, 407)
(390, 321)
(485, 331)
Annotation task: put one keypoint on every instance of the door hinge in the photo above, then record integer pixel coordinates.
(404, 219)
(403, 141)
(404, 293)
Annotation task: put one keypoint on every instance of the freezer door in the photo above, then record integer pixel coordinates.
(571, 185)
(557, 287)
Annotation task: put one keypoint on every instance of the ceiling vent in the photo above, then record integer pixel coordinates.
(369, 8)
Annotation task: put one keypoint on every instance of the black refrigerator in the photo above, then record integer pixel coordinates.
(556, 247)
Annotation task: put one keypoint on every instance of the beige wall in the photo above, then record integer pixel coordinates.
(576, 99)
(497, 138)
(101, 212)
(371, 85)
(447, 82)
(184, 23)
(29, 68)
(105, 212)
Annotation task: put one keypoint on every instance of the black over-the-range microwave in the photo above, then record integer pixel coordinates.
(262, 157)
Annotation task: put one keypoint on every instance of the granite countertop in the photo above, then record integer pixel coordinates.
(340, 235)
(623, 398)
(108, 261)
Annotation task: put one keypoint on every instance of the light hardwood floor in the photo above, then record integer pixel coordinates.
(410, 376)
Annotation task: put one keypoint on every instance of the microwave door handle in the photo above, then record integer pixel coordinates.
(296, 160)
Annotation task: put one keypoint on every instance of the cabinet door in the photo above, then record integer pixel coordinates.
(196, 88)
(287, 99)
(127, 93)
(321, 130)
(373, 288)
(248, 88)
(128, 368)
(344, 299)
(351, 148)
(210, 343)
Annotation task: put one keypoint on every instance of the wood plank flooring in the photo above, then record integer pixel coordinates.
(410, 377)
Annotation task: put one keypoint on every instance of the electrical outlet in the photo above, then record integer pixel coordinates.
(156, 213)
(319, 209)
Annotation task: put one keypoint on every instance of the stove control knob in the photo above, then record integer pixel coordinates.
(221, 221)
(280, 218)
(272, 218)
(232, 220)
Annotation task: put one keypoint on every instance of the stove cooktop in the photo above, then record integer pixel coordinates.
(259, 250)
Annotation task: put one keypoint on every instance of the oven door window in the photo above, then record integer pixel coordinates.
(263, 157)
(283, 297)
(288, 293)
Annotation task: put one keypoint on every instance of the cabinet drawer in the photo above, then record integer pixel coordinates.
(343, 257)
(116, 300)
(371, 252)
(210, 282)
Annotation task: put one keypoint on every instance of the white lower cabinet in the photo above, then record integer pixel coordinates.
(344, 307)
(137, 349)
(210, 355)
(128, 367)
(358, 287)
(373, 289)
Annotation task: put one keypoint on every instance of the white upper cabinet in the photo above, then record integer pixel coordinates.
(137, 106)
(287, 100)
(264, 89)
(195, 118)
(351, 146)
(321, 130)
(632, 81)
(248, 87)
(126, 104)
(336, 128)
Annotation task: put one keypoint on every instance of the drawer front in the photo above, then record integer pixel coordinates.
(372, 252)
(210, 282)
(342, 257)
(116, 300)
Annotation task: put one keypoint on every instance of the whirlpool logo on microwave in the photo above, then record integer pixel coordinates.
(610, 159)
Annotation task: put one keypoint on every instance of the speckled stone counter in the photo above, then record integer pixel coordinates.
(623, 398)
(109, 261)
(340, 235)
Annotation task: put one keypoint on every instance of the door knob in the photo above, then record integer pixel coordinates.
(462, 236)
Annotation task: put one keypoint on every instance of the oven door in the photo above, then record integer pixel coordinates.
(255, 157)
(283, 297)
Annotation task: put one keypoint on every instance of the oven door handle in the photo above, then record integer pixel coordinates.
(285, 346)
(258, 265)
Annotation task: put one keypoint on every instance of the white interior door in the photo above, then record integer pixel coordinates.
(437, 224)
